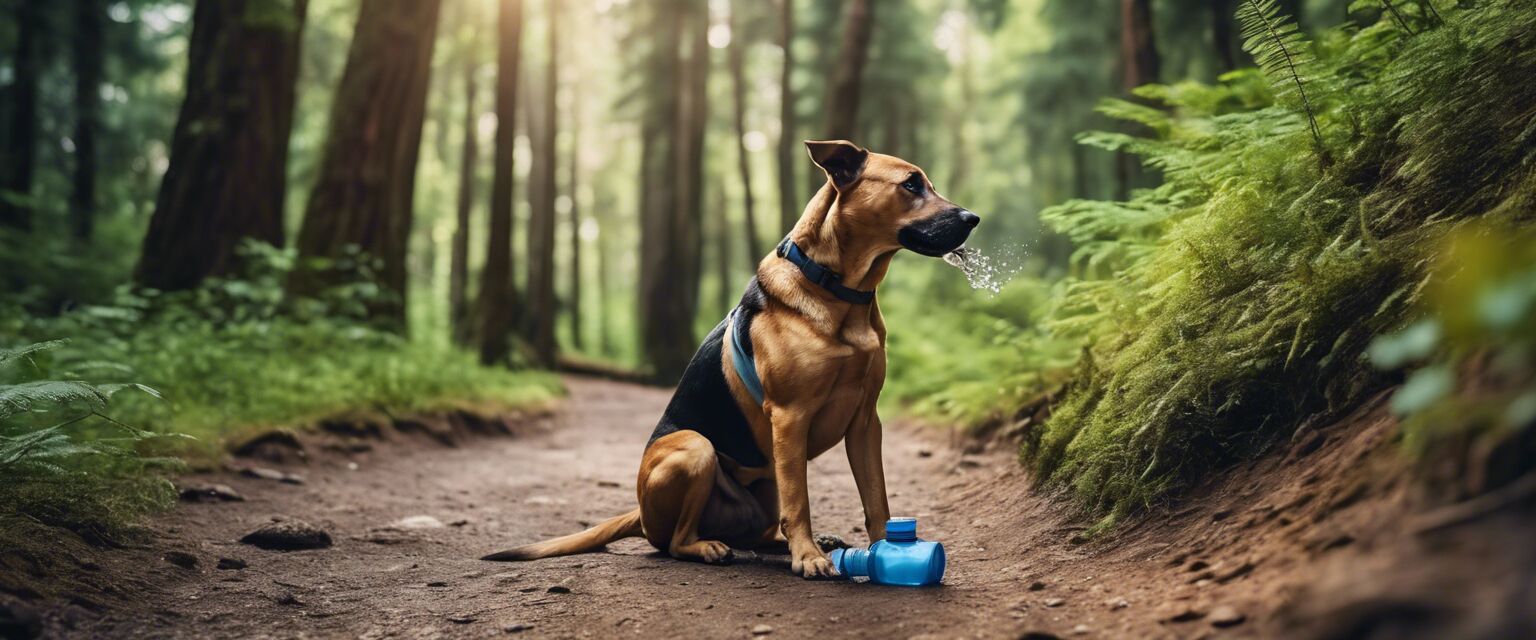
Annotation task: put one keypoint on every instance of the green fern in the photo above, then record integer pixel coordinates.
(1281, 50)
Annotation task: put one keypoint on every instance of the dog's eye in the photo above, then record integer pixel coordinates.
(914, 184)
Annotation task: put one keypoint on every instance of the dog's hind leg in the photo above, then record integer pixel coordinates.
(677, 476)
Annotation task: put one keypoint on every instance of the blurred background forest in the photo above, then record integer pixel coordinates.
(229, 214)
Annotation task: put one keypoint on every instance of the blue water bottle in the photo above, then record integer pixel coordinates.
(900, 559)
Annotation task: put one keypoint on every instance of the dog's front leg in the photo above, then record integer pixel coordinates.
(791, 427)
(863, 446)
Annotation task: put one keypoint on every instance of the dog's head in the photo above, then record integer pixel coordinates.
(886, 199)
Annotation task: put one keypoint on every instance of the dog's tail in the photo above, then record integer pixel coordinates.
(615, 528)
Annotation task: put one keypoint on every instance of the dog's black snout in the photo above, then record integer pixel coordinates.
(970, 219)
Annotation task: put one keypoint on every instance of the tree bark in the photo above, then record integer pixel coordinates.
(660, 267)
(737, 55)
(848, 73)
(1138, 66)
(18, 163)
(88, 51)
(541, 225)
(789, 201)
(571, 184)
(498, 294)
(693, 115)
(228, 169)
(458, 269)
(363, 195)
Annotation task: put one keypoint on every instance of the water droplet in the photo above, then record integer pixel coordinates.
(983, 272)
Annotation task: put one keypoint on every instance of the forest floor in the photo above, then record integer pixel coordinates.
(1320, 539)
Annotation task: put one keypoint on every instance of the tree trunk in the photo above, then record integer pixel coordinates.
(693, 115)
(88, 48)
(228, 171)
(18, 163)
(363, 194)
(721, 243)
(744, 162)
(848, 73)
(1222, 17)
(1138, 66)
(661, 272)
(458, 270)
(571, 184)
(541, 224)
(498, 294)
(789, 200)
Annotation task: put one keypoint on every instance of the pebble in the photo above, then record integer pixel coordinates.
(210, 493)
(417, 522)
(762, 630)
(288, 535)
(925, 453)
(1116, 604)
(1054, 602)
(559, 588)
(263, 473)
(1225, 616)
(181, 559)
(1036, 586)
(1080, 630)
(516, 627)
(607, 484)
(1039, 635)
(231, 564)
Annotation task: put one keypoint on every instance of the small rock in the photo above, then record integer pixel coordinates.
(516, 627)
(263, 473)
(1036, 586)
(762, 630)
(969, 463)
(231, 564)
(1080, 630)
(461, 619)
(559, 588)
(607, 484)
(291, 478)
(1199, 565)
(1054, 602)
(1117, 604)
(181, 559)
(1225, 616)
(437, 583)
(1185, 614)
(210, 493)
(829, 541)
(417, 522)
(925, 453)
(288, 535)
(289, 599)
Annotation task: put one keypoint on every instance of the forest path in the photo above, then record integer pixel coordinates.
(577, 468)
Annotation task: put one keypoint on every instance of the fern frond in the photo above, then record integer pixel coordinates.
(7, 355)
(16, 399)
(1280, 49)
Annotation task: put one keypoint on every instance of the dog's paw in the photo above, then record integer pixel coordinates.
(829, 541)
(706, 551)
(813, 566)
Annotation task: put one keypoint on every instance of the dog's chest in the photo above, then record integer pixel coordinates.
(853, 385)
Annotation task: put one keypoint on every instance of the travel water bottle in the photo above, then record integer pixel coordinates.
(900, 559)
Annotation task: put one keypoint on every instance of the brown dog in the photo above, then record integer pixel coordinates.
(795, 368)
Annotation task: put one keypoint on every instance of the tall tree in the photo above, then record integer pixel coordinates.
(1139, 65)
(789, 201)
(229, 154)
(672, 139)
(498, 295)
(848, 72)
(17, 165)
(469, 158)
(572, 181)
(541, 224)
(367, 179)
(737, 55)
(88, 49)
(1222, 40)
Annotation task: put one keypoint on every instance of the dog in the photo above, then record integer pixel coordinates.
(796, 368)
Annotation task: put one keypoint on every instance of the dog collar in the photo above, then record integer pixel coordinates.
(826, 278)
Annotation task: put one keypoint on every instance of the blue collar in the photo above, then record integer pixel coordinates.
(822, 276)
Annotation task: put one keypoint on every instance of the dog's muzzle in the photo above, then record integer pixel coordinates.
(939, 234)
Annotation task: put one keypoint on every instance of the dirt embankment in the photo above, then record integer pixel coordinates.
(1322, 539)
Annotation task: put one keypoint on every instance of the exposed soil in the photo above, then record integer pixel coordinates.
(1322, 539)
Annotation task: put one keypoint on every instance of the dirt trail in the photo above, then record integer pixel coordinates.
(1017, 563)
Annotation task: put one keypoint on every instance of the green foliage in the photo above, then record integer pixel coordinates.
(1223, 307)
(65, 461)
(1282, 51)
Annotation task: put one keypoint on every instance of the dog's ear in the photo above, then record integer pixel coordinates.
(842, 160)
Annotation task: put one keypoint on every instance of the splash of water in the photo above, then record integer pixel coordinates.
(982, 271)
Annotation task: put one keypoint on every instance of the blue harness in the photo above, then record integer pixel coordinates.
(738, 333)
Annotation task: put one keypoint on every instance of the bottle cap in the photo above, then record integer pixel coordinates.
(901, 529)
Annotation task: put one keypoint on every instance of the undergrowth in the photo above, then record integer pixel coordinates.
(228, 358)
(1220, 309)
